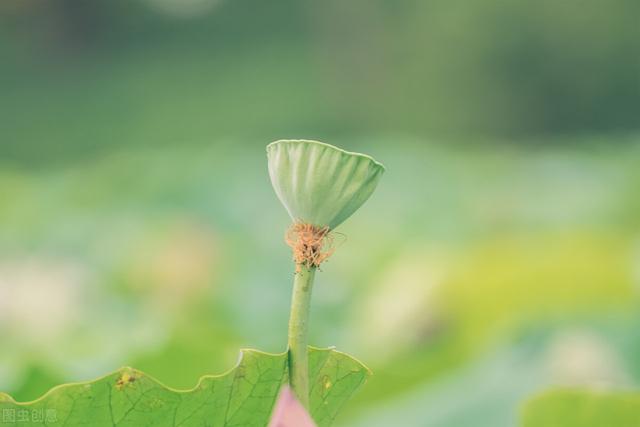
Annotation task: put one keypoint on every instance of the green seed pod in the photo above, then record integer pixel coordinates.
(320, 184)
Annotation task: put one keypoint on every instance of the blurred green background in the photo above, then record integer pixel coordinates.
(499, 256)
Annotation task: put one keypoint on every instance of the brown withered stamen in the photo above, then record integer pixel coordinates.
(311, 245)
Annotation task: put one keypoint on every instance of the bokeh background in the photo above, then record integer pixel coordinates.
(500, 255)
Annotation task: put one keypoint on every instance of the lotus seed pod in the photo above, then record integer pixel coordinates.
(320, 184)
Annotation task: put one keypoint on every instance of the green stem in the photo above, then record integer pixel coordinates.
(298, 327)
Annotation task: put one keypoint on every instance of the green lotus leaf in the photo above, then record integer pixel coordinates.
(318, 183)
(582, 408)
(244, 396)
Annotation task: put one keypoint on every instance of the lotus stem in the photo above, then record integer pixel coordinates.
(298, 333)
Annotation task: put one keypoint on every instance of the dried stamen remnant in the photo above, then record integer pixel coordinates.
(311, 244)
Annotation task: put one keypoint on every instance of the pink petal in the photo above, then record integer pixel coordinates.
(289, 412)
